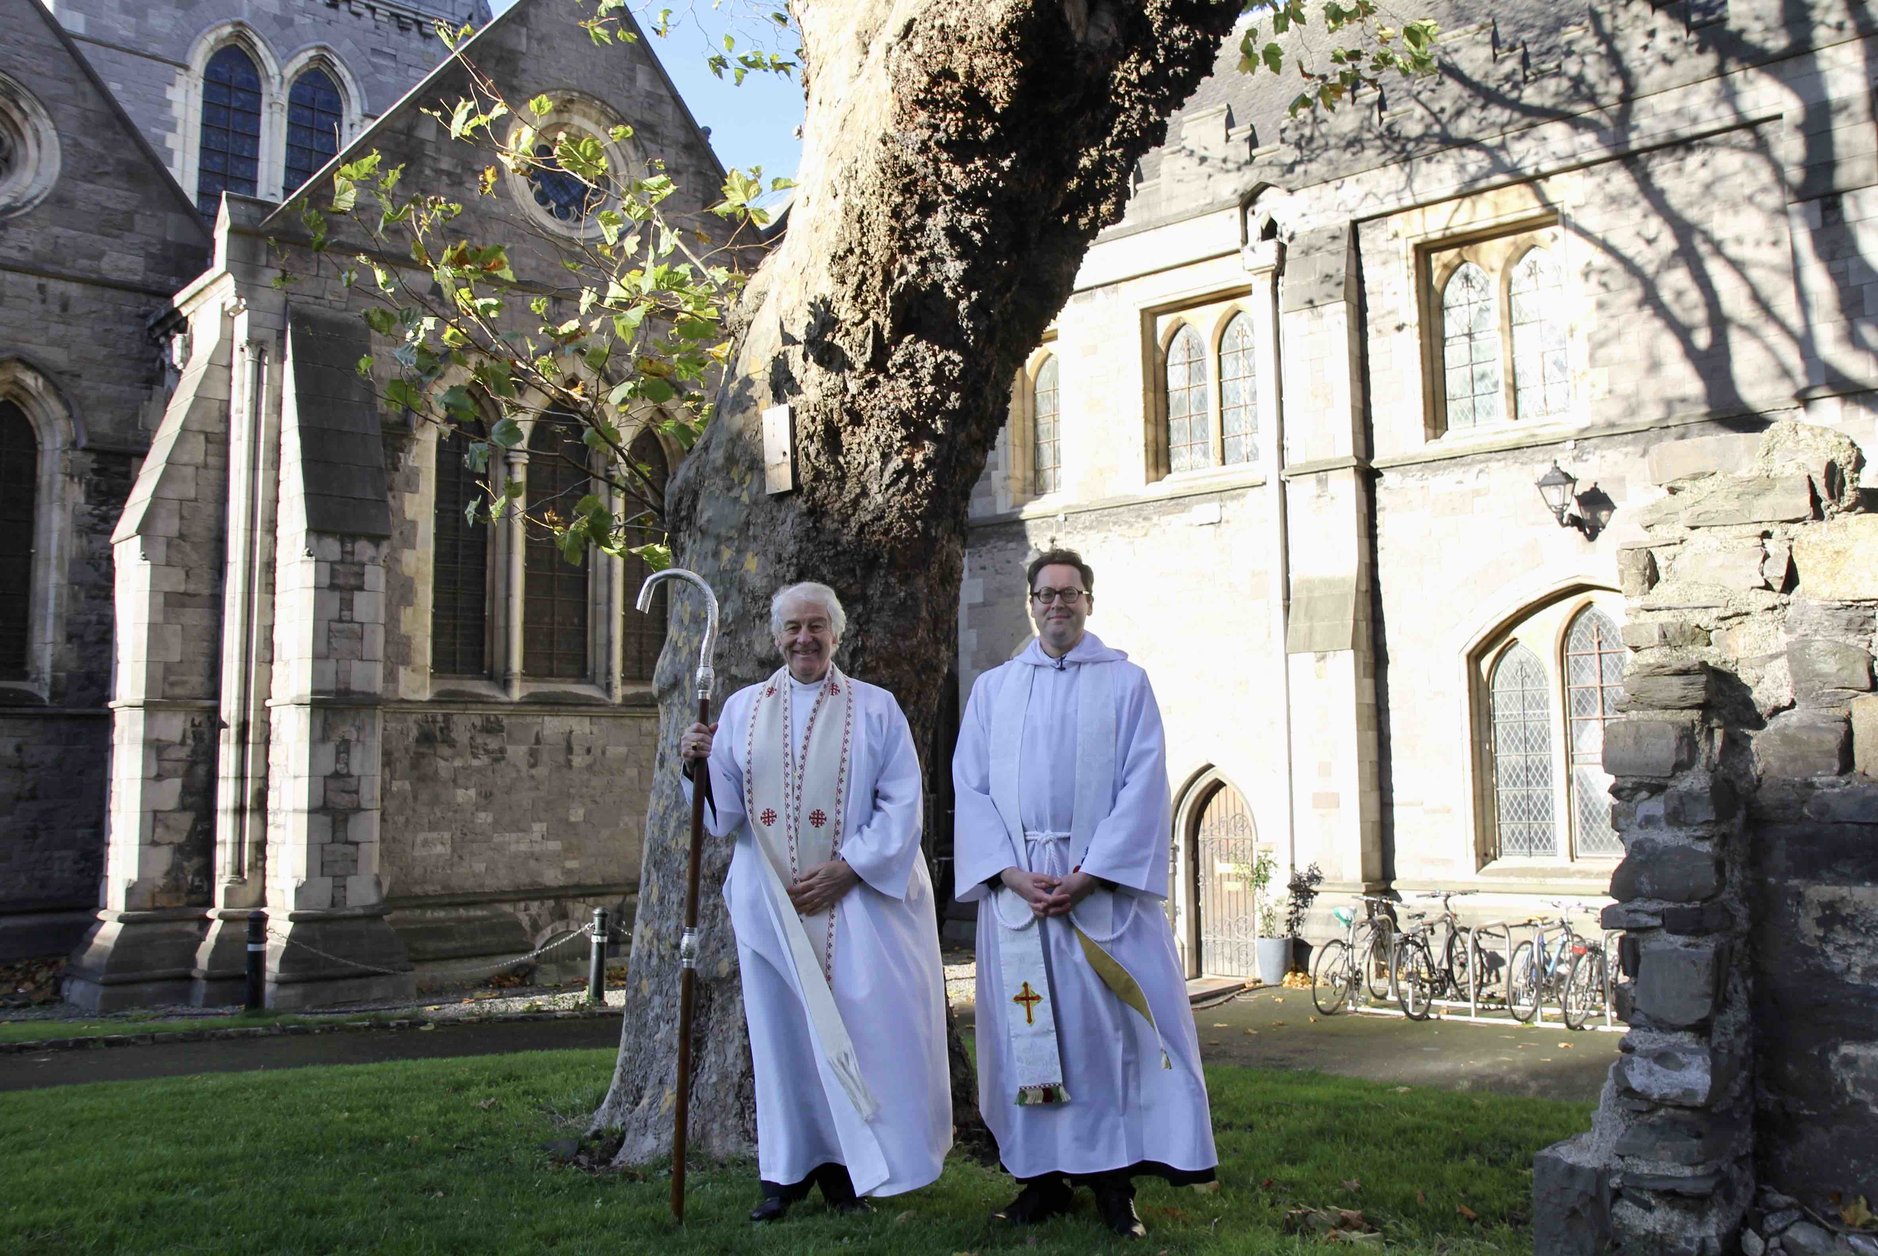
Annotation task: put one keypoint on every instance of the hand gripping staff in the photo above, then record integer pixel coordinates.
(688, 944)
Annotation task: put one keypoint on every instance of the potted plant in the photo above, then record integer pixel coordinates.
(1274, 946)
(1301, 891)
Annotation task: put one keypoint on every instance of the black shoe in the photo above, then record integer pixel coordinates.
(1116, 1206)
(773, 1208)
(1038, 1201)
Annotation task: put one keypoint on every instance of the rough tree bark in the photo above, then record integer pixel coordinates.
(958, 158)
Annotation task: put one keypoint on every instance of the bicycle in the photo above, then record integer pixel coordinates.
(1459, 969)
(1587, 985)
(1337, 971)
(1417, 981)
(1539, 972)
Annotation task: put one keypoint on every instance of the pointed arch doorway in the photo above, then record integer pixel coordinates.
(1215, 904)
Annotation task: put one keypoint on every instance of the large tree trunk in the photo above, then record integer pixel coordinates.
(958, 158)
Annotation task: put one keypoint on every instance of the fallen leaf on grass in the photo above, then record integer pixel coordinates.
(1278, 1024)
(1268, 1183)
(486, 1104)
(1564, 1046)
(1351, 1184)
(1332, 1225)
(1858, 1214)
(1467, 1212)
(1403, 1090)
(905, 1217)
(1420, 1197)
(1221, 1025)
(1252, 1033)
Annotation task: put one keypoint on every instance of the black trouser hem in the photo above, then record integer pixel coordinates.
(1126, 1176)
(832, 1177)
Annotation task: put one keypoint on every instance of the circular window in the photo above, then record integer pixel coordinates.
(29, 150)
(555, 196)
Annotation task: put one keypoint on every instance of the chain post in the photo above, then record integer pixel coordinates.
(596, 962)
(257, 960)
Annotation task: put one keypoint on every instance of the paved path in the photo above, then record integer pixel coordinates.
(27, 1070)
(1261, 1029)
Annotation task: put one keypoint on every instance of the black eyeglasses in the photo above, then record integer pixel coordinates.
(1069, 597)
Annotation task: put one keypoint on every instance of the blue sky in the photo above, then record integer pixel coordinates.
(751, 125)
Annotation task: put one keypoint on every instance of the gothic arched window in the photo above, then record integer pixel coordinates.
(554, 591)
(1522, 755)
(1541, 365)
(1594, 679)
(315, 116)
(229, 147)
(642, 636)
(1047, 433)
(1470, 316)
(19, 481)
(1238, 395)
(1189, 443)
(459, 604)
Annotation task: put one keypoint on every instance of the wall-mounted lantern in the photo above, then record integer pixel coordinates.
(1595, 506)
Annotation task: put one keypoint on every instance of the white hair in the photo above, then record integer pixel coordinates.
(837, 618)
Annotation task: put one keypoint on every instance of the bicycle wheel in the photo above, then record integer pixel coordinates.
(1583, 997)
(1523, 983)
(1415, 979)
(1331, 978)
(1457, 962)
(1376, 961)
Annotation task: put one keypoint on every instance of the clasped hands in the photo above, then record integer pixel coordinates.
(1048, 895)
(819, 888)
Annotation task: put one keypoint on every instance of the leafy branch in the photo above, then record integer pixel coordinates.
(1364, 49)
(610, 322)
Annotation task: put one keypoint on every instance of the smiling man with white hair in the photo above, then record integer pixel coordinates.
(837, 940)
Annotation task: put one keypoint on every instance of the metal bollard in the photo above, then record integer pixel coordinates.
(596, 962)
(257, 960)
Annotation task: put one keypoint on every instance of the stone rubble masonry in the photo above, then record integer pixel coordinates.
(1748, 891)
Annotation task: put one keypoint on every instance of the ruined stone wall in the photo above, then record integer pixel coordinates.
(1747, 780)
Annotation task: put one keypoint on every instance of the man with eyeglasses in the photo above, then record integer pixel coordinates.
(1088, 1063)
(837, 943)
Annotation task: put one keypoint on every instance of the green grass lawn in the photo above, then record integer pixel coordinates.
(447, 1156)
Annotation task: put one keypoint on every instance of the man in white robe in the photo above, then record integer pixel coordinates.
(837, 940)
(1088, 1063)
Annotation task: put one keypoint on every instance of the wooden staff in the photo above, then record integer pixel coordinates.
(688, 942)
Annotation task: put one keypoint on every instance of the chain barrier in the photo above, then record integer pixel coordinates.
(585, 931)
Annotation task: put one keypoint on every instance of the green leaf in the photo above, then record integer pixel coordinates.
(1273, 55)
(399, 392)
(541, 106)
(506, 432)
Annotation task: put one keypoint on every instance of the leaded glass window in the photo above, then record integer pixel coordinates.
(1189, 443)
(1049, 451)
(19, 483)
(1594, 675)
(554, 591)
(315, 113)
(1541, 370)
(1470, 316)
(1522, 755)
(643, 636)
(1238, 394)
(561, 194)
(459, 601)
(229, 148)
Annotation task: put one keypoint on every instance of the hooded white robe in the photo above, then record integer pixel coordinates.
(1124, 1109)
(888, 983)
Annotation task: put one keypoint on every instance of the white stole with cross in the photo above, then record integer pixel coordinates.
(1024, 980)
(795, 798)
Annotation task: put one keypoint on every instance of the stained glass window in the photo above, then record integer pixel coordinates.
(19, 483)
(229, 152)
(1541, 370)
(1470, 315)
(1594, 676)
(315, 114)
(1238, 394)
(642, 636)
(459, 565)
(1522, 755)
(554, 591)
(1048, 451)
(563, 195)
(1189, 443)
